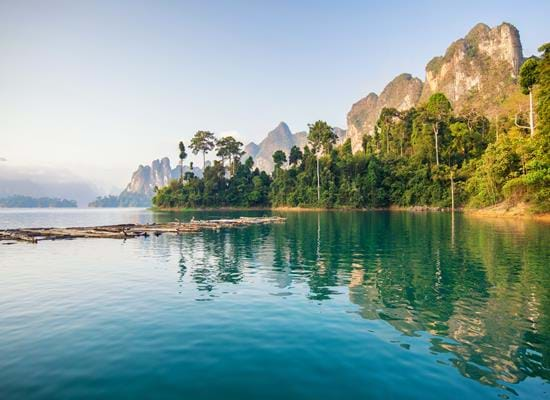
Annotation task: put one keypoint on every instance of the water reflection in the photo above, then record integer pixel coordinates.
(480, 289)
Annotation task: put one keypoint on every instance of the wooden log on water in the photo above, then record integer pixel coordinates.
(128, 231)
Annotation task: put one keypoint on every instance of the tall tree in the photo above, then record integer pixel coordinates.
(228, 148)
(182, 156)
(528, 77)
(438, 109)
(295, 155)
(203, 141)
(543, 101)
(321, 137)
(279, 158)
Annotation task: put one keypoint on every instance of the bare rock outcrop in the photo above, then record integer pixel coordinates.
(477, 72)
(401, 93)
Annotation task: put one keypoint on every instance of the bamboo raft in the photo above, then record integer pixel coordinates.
(127, 231)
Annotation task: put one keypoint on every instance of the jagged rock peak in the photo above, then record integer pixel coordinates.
(145, 178)
(478, 71)
(280, 138)
(251, 149)
(401, 93)
(281, 130)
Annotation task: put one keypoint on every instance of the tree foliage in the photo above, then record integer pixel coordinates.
(407, 161)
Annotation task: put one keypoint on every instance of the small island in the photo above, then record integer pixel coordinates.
(18, 201)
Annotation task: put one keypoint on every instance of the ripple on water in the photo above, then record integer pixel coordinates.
(328, 305)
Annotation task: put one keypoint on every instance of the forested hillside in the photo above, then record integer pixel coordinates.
(414, 157)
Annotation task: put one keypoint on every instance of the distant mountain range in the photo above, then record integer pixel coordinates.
(44, 182)
(17, 201)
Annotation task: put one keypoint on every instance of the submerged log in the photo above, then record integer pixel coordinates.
(127, 231)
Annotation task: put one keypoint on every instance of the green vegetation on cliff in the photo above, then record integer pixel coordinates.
(413, 158)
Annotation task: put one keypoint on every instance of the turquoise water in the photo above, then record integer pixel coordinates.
(328, 305)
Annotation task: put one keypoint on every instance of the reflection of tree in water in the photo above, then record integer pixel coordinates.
(480, 292)
(484, 289)
(216, 257)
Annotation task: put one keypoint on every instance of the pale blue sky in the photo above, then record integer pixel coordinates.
(101, 86)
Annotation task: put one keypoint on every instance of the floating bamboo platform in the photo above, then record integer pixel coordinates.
(127, 231)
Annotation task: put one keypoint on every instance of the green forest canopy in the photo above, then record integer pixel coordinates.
(409, 160)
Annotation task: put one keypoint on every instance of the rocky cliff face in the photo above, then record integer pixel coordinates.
(141, 189)
(145, 178)
(280, 138)
(478, 71)
(401, 93)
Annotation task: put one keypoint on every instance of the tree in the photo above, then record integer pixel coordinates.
(279, 158)
(543, 94)
(321, 137)
(295, 155)
(438, 109)
(190, 174)
(228, 148)
(529, 76)
(182, 156)
(203, 141)
(386, 123)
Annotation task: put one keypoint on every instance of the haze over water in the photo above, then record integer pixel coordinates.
(330, 304)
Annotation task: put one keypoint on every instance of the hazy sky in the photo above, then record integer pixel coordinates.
(102, 86)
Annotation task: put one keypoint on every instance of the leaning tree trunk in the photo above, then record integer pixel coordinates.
(181, 170)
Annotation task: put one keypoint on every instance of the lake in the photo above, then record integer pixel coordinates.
(329, 305)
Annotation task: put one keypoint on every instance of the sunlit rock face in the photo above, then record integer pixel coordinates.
(477, 72)
(145, 178)
(141, 188)
(401, 93)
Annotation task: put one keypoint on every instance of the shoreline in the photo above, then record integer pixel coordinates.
(499, 211)
(519, 211)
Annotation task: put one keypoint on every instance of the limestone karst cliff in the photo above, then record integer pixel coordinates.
(145, 178)
(280, 138)
(478, 71)
(141, 188)
(401, 93)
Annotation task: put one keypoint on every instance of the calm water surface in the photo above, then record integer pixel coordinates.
(329, 305)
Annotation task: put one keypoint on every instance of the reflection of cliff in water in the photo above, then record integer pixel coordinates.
(479, 289)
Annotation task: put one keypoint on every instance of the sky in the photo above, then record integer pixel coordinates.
(99, 87)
